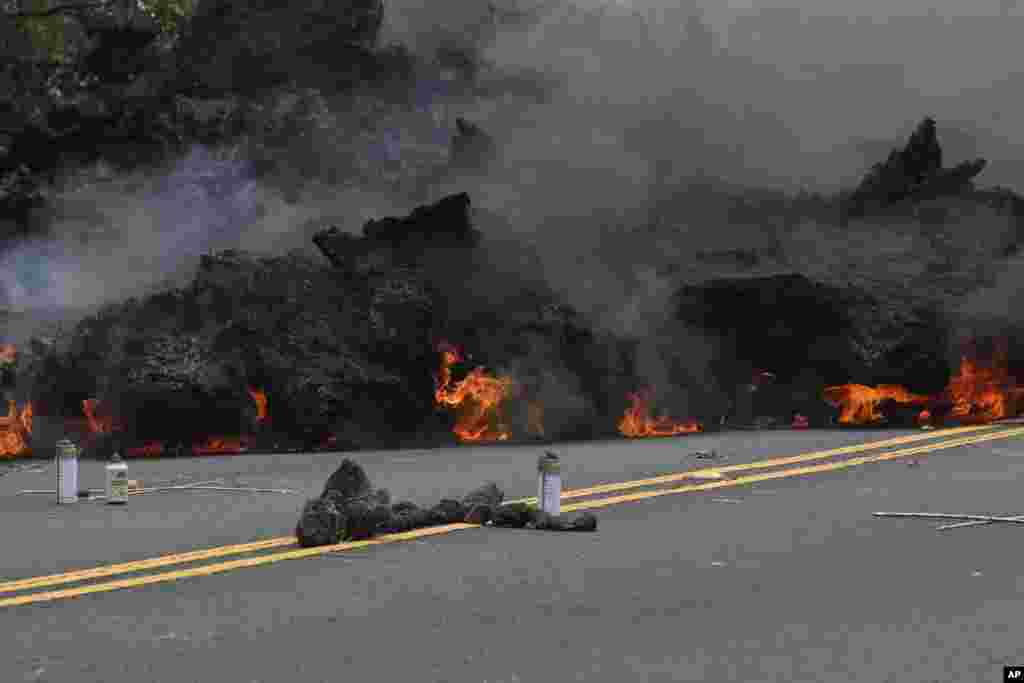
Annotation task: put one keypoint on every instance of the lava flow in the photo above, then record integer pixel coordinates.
(476, 399)
(15, 427)
(230, 445)
(637, 421)
(858, 404)
(979, 392)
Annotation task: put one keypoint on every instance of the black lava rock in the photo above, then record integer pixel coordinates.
(448, 511)
(489, 494)
(585, 522)
(407, 520)
(363, 519)
(515, 515)
(321, 523)
(349, 481)
(404, 507)
(479, 514)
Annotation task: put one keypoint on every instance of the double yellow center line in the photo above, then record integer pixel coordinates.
(940, 440)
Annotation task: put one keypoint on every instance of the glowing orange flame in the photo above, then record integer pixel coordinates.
(477, 399)
(858, 404)
(14, 427)
(26, 417)
(979, 392)
(259, 397)
(8, 354)
(221, 445)
(982, 392)
(637, 422)
(149, 449)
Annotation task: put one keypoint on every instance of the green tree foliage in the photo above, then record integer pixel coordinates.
(170, 14)
(45, 21)
(45, 32)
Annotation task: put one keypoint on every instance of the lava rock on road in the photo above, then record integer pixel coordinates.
(350, 509)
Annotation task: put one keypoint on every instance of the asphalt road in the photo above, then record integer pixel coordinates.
(783, 580)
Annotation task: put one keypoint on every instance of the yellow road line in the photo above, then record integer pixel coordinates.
(218, 568)
(210, 569)
(711, 472)
(140, 565)
(270, 543)
(791, 472)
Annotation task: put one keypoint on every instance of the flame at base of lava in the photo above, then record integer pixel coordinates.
(476, 399)
(259, 397)
(15, 427)
(983, 392)
(637, 421)
(12, 444)
(535, 418)
(149, 449)
(221, 445)
(979, 393)
(858, 403)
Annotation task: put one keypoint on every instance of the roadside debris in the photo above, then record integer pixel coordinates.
(706, 455)
(137, 490)
(350, 509)
(16, 468)
(964, 520)
(978, 522)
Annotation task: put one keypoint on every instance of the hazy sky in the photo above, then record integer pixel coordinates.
(794, 88)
